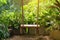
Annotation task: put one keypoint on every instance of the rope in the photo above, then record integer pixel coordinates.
(37, 17)
(22, 13)
(37, 13)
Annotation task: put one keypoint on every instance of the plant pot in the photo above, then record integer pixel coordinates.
(55, 34)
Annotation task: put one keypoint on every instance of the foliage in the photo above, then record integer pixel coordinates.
(8, 17)
(9, 14)
(30, 11)
(48, 15)
(3, 27)
(3, 32)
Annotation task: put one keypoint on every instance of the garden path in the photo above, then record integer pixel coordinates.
(30, 38)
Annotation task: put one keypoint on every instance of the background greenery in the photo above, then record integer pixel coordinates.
(11, 13)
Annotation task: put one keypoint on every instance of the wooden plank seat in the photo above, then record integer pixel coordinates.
(29, 26)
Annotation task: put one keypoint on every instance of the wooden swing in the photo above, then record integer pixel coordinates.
(29, 26)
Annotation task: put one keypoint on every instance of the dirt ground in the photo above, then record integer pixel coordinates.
(24, 37)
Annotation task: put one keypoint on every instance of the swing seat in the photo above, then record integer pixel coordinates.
(29, 26)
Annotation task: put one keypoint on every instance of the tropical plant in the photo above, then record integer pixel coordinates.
(8, 17)
(49, 11)
(3, 32)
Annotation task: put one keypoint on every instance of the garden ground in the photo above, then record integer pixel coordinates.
(26, 37)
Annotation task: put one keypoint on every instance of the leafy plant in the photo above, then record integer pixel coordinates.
(49, 13)
(8, 17)
(3, 32)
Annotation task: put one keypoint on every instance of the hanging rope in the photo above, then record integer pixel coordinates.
(37, 13)
(37, 16)
(22, 13)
